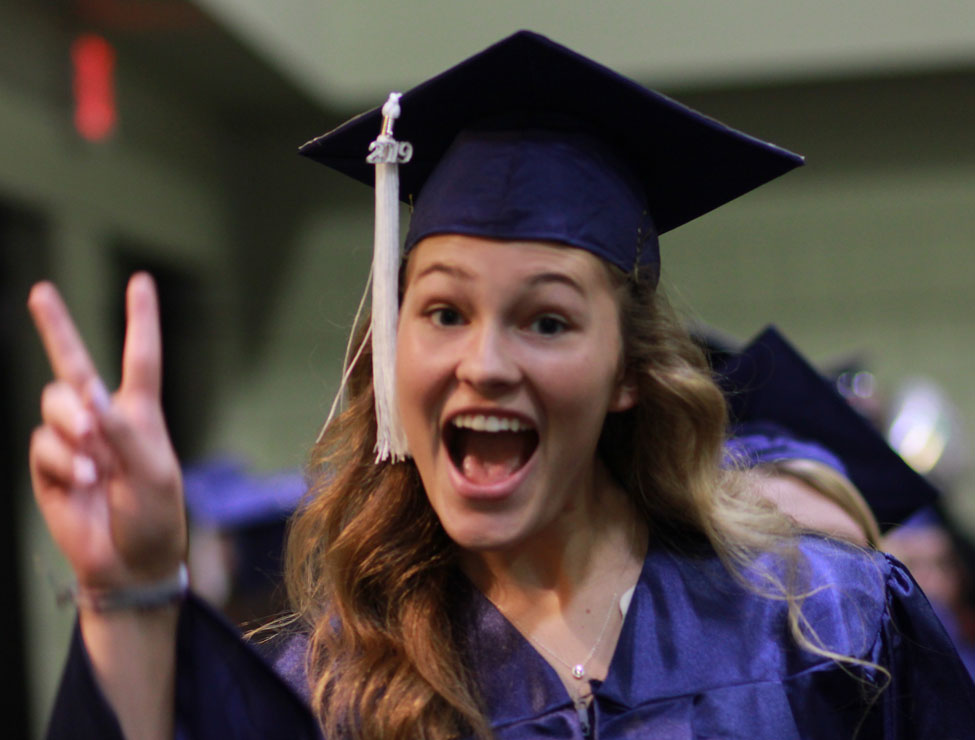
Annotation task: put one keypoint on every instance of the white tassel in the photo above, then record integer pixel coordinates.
(387, 154)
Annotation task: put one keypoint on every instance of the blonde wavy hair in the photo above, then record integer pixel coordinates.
(370, 571)
(832, 486)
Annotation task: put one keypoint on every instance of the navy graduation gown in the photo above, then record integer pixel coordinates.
(699, 656)
(224, 689)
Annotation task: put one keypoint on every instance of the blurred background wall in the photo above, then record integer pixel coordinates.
(192, 173)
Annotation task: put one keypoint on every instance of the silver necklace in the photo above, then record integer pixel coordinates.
(577, 671)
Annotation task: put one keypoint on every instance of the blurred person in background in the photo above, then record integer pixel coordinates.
(928, 548)
(924, 425)
(237, 524)
(821, 462)
(806, 482)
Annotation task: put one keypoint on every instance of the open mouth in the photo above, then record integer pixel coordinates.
(486, 448)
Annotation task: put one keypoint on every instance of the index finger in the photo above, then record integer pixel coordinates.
(65, 350)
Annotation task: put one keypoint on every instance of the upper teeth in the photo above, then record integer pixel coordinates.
(486, 423)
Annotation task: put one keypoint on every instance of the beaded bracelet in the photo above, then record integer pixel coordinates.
(150, 596)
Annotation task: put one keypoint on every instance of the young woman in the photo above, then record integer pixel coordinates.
(547, 545)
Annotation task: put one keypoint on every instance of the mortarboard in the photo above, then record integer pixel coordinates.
(222, 494)
(770, 382)
(530, 140)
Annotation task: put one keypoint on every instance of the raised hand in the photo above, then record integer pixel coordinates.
(103, 469)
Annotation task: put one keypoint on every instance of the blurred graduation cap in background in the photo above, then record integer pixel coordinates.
(238, 520)
(529, 140)
(770, 386)
(223, 494)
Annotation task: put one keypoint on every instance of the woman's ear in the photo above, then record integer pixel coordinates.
(626, 393)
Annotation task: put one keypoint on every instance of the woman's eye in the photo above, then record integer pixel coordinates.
(446, 317)
(548, 325)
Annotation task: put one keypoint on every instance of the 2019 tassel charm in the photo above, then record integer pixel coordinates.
(387, 154)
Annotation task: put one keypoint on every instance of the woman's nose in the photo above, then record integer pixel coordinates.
(487, 362)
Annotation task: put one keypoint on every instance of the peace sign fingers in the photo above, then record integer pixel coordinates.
(104, 471)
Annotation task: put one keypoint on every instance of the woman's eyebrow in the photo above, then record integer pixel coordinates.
(461, 273)
(444, 268)
(556, 277)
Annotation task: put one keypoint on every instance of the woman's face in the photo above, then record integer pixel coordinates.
(812, 509)
(508, 361)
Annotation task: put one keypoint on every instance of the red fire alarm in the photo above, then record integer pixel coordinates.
(95, 114)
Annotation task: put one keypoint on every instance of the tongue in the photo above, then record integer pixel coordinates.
(488, 457)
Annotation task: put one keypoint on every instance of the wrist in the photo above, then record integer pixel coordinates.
(142, 597)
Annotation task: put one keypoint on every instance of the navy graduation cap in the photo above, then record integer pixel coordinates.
(529, 140)
(769, 384)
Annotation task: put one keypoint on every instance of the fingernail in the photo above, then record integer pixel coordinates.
(99, 395)
(84, 425)
(85, 473)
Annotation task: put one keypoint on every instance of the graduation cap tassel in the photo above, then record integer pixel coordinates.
(387, 154)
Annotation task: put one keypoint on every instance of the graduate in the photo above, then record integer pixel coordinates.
(519, 524)
(237, 522)
(823, 463)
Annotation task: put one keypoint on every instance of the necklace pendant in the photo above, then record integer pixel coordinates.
(578, 671)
